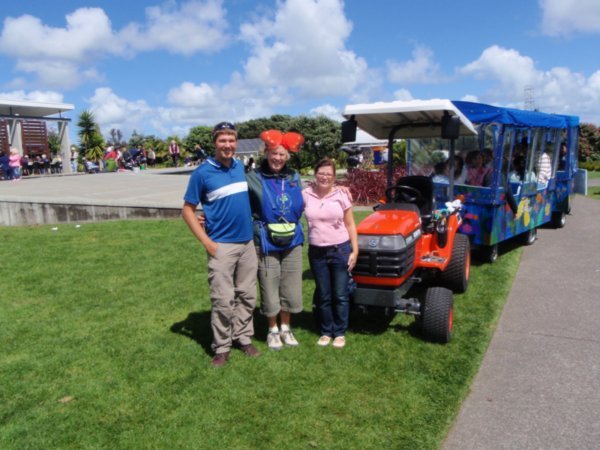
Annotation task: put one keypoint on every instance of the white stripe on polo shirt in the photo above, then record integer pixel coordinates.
(226, 191)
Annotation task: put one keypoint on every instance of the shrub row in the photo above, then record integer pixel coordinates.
(590, 165)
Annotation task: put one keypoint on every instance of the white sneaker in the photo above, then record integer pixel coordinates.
(324, 341)
(274, 341)
(289, 339)
(339, 342)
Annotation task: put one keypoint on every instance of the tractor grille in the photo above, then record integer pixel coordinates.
(378, 263)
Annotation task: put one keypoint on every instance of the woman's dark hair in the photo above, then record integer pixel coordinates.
(458, 165)
(325, 162)
(471, 156)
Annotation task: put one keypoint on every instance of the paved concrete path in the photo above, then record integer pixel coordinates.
(161, 188)
(539, 384)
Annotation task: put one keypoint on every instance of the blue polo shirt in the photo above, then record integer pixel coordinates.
(223, 193)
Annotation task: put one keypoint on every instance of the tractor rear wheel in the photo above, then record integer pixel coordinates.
(456, 275)
(437, 313)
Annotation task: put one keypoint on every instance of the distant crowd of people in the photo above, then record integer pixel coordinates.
(13, 166)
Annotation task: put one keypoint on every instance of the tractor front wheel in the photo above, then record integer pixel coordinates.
(437, 313)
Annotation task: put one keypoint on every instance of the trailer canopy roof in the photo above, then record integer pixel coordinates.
(418, 118)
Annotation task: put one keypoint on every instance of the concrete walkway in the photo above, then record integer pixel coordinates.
(539, 384)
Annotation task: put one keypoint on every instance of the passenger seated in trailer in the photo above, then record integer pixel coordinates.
(544, 170)
(562, 157)
(477, 174)
(517, 170)
(460, 171)
(488, 158)
(440, 172)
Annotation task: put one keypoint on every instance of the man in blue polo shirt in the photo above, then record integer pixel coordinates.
(219, 184)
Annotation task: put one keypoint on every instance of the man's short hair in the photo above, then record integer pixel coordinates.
(223, 128)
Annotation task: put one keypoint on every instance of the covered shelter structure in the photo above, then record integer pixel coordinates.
(23, 125)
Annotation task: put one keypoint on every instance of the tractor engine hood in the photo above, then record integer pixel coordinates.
(388, 230)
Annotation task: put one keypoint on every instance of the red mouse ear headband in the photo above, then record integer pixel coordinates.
(290, 141)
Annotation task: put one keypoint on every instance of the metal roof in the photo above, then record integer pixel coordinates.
(250, 146)
(12, 108)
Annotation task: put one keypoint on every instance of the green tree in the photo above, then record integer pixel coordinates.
(322, 138)
(136, 140)
(321, 134)
(201, 135)
(53, 141)
(589, 142)
(90, 137)
(115, 137)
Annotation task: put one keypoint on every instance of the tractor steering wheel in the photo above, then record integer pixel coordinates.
(404, 193)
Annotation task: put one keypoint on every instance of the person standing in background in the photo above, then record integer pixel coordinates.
(14, 161)
(74, 157)
(175, 152)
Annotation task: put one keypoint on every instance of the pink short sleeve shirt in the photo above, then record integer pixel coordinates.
(325, 217)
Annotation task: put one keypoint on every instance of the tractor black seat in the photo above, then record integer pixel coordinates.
(426, 203)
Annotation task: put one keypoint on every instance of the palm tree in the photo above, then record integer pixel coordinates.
(90, 137)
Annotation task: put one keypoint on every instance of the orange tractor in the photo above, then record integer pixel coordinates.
(407, 240)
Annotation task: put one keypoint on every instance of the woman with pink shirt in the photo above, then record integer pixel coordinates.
(332, 252)
(15, 164)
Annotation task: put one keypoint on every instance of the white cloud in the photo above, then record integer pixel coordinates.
(512, 70)
(558, 90)
(190, 95)
(470, 98)
(66, 56)
(33, 96)
(327, 110)
(562, 17)
(303, 48)
(87, 32)
(196, 26)
(422, 68)
(403, 94)
(111, 111)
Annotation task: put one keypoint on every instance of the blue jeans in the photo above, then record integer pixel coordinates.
(329, 266)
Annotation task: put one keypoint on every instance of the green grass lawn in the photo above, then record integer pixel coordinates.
(592, 174)
(594, 192)
(105, 338)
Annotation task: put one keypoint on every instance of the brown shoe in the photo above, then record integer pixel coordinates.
(250, 350)
(220, 359)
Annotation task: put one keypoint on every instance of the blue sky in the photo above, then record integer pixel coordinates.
(163, 67)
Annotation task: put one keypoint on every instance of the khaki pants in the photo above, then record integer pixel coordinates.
(280, 280)
(232, 280)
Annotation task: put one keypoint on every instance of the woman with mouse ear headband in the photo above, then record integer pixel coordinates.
(277, 205)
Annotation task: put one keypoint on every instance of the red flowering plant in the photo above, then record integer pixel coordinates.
(367, 186)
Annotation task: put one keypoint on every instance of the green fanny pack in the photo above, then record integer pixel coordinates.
(281, 234)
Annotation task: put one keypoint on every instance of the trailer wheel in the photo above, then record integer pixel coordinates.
(530, 236)
(489, 253)
(456, 275)
(437, 313)
(559, 219)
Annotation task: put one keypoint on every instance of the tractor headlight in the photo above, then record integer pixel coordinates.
(382, 242)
